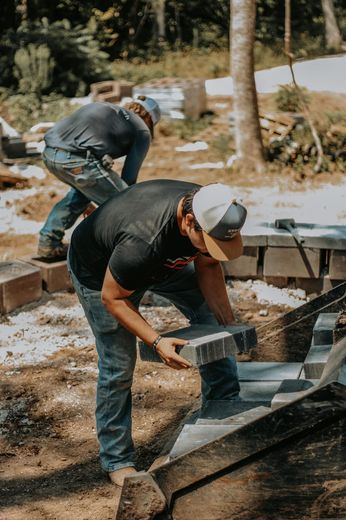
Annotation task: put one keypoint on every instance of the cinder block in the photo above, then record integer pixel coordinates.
(329, 283)
(20, 283)
(337, 265)
(207, 343)
(289, 390)
(263, 371)
(240, 418)
(289, 261)
(288, 386)
(282, 399)
(316, 360)
(258, 390)
(244, 266)
(323, 328)
(310, 285)
(111, 90)
(55, 276)
(223, 410)
(194, 436)
(277, 281)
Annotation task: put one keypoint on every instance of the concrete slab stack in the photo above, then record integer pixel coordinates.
(178, 98)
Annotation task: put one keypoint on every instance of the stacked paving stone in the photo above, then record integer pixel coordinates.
(207, 343)
(321, 266)
(178, 98)
(264, 387)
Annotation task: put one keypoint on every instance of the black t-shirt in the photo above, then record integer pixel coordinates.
(136, 234)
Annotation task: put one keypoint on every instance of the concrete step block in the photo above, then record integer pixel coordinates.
(194, 436)
(207, 343)
(20, 283)
(282, 399)
(323, 328)
(310, 285)
(276, 262)
(316, 360)
(258, 390)
(240, 418)
(289, 390)
(225, 409)
(245, 265)
(55, 276)
(337, 264)
(268, 371)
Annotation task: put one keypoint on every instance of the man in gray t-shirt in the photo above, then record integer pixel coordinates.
(80, 150)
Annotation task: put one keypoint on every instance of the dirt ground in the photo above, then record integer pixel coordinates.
(48, 450)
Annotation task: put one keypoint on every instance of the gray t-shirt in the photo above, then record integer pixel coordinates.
(104, 128)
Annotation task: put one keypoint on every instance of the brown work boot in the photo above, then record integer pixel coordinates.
(117, 477)
(53, 252)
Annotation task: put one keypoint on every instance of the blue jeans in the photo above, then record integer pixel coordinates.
(90, 181)
(116, 349)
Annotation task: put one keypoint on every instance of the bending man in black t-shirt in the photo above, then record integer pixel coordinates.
(80, 150)
(166, 236)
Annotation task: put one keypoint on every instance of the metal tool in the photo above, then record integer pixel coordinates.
(290, 226)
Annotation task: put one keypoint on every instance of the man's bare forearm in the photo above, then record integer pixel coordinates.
(212, 284)
(131, 319)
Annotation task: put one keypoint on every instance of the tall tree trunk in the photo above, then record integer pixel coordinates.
(333, 35)
(248, 138)
(159, 8)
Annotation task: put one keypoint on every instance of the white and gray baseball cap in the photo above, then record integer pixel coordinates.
(151, 106)
(221, 218)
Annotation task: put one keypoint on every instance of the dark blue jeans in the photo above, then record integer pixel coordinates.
(116, 349)
(90, 181)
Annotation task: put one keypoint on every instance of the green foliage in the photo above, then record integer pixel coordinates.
(33, 67)
(83, 37)
(188, 63)
(289, 99)
(76, 53)
(25, 110)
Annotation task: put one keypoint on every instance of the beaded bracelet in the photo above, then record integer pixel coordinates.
(156, 342)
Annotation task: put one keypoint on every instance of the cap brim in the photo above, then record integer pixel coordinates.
(224, 250)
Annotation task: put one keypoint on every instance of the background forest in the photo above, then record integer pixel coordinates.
(62, 46)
